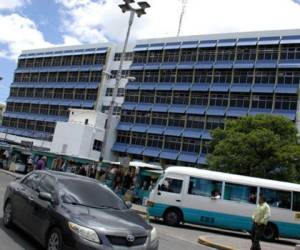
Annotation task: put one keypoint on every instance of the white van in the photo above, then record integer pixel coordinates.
(191, 195)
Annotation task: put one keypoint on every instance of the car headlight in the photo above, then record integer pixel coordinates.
(153, 236)
(84, 232)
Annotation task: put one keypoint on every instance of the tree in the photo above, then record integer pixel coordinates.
(261, 146)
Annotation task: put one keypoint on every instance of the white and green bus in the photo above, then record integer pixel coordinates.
(189, 195)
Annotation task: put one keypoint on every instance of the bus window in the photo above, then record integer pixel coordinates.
(240, 193)
(171, 185)
(276, 198)
(296, 201)
(202, 187)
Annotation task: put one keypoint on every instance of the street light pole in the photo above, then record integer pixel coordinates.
(141, 11)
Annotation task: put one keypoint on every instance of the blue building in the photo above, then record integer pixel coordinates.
(185, 87)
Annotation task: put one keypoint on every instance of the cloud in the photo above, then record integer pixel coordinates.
(19, 33)
(98, 20)
(12, 4)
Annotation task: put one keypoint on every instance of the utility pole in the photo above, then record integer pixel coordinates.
(126, 7)
(184, 4)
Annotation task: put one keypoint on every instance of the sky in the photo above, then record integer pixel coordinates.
(32, 24)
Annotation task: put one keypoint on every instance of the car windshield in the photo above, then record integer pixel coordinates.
(89, 194)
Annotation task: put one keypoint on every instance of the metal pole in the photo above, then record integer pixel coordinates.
(115, 91)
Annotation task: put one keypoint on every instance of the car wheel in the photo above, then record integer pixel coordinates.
(171, 217)
(270, 232)
(7, 214)
(54, 240)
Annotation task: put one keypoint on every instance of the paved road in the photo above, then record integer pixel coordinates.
(16, 239)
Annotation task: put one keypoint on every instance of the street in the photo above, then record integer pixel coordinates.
(16, 239)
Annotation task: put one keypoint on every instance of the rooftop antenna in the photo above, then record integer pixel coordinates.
(184, 3)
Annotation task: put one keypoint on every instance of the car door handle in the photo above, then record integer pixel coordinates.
(178, 200)
(159, 193)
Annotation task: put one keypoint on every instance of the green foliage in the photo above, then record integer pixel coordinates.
(262, 146)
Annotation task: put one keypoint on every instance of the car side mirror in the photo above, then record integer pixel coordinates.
(128, 204)
(45, 197)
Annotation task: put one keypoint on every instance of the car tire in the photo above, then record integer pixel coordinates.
(270, 232)
(172, 217)
(54, 240)
(8, 215)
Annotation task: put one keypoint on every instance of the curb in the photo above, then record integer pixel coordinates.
(203, 241)
(8, 173)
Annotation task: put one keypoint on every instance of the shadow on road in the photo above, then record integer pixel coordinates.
(20, 237)
(222, 232)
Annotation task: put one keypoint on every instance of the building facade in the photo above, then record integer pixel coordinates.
(186, 87)
(2, 109)
(183, 89)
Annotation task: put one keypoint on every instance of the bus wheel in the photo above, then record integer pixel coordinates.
(271, 232)
(172, 217)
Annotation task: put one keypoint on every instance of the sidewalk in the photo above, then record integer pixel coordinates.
(13, 174)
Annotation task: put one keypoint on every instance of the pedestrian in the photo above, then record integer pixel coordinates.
(41, 164)
(260, 219)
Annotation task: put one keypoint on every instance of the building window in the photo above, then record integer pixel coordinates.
(21, 124)
(31, 125)
(18, 77)
(79, 94)
(214, 122)
(100, 59)
(49, 93)
(40, 126)
(44, 109)
(62, 77)
(47, 62)
(66, 61)
(246, 54)
(14, 91)
(38, 62)
(96, 76)
(176, 120)
(199, 98)
(54, 109)
(287, 102)
(97, 146)
(267, 53)
(64, 111)
(88, 59)
(242, 77)
(147, 96)
(137, 74)
(167, 75)
(39, 93)
(142, 117)
(123, 137)
(171, 56)
(34, 77)
(239, 101)
(159, 119)
(29, 63)
(222, 76)
(35, 108)
(128, 116)
(163, 97)
(172, 142)
(226, 54)
(206, 147)
(91, 94)
(203, 76)
(151, 76)
(191, 145)
(77, 60)
(73, 76)
(220, 100)
(265, 76)
(84, 76)
(49, 127)
(128, 56)
(206, 54)
(58, 93)
(21, 63)
(289, 77)
(138, 139)
(56, 62)
(155, 56)
(109, 91)
(10, 107)
(185, 75)
(188, 55)
(43, 77)
(262, 101)
(68, 94)
(195, 121)
(132, 96)
(155, 141)
(140, 57)
(180, 97)
(52, 77)
(290, 52)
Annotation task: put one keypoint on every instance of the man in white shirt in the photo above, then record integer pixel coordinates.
(260, 219)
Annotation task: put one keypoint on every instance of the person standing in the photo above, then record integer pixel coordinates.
(41, 164)
(260, 219)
